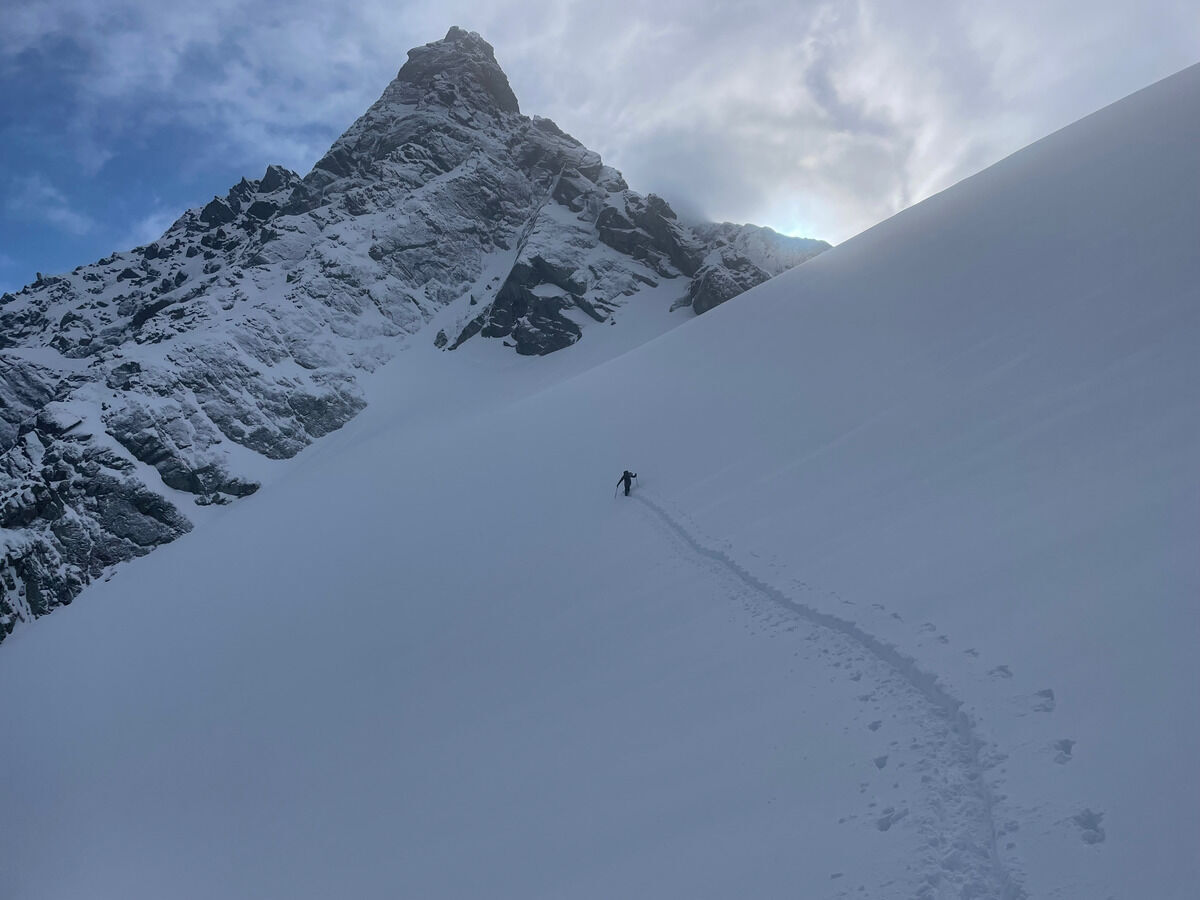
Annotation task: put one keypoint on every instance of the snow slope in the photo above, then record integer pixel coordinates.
(904, 607)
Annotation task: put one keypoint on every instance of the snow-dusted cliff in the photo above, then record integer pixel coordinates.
(134, 387)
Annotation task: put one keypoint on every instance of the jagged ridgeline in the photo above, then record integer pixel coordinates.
(151, 380)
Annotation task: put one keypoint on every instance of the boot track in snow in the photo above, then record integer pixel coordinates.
(962, 856)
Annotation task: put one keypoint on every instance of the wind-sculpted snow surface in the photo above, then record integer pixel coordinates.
(241, 335)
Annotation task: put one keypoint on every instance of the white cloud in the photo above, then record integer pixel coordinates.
(149, 227)
(818, 115)
(34, 198)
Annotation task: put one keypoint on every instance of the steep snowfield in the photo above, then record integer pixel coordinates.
(952, 461)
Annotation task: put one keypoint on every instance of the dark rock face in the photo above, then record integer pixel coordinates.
(217, 212)
(536, 322)
(261, 210)
(724, 281)
(70, 509)
(461, 63)
(741, 257)
(152, 381)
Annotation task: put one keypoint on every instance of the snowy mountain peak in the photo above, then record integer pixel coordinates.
(460, 67)
(165, 375)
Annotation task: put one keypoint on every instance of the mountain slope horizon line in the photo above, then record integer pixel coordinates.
(164, 378)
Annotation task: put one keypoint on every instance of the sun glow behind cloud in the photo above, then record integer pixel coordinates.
(821, 117)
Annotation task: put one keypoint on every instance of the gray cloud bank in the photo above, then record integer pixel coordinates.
(819, 118)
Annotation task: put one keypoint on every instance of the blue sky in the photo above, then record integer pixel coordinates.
(819, 118)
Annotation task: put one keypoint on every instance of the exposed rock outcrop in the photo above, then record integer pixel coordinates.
(741, 257)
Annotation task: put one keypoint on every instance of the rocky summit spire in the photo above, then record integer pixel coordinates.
(460, 67)
(456, 78)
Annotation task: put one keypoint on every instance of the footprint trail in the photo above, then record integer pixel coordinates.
(959, 828)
